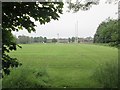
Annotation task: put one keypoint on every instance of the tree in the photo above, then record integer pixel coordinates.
(24, 39)
(54, 40)
(73, 39)
(89, 39)
(16, 16)
(107, 32)
(69, 40)
(41, 39)
(36, 39)
(31, 40)
(45, 40)
(77, 5)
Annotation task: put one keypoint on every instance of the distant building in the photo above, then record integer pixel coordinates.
(80, 40)
(85, 40)
(63, 40)
(49, 40)
(66, 40)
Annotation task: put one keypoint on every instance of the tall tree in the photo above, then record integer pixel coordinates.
(24, 39)
(41, 39)
(69, 40)
(16, 16)
(107, 32)
(45, 39)
(36, 39)
(73, 39)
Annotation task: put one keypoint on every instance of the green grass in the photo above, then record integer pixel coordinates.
(62, 65)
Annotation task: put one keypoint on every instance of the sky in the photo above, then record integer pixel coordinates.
(84, 23)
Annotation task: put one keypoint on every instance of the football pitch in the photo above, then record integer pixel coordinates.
(59, 65)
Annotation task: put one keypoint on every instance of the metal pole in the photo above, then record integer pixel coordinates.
(76, 30)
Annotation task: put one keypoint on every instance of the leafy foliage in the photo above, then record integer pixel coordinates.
(54, 40)
(107, 32)
(27, 78)
(45, 39)
(19, 15)
(73, 39)
(107, 74)
(23, 39)
(75, 7)
(85, 4)
(69, 40)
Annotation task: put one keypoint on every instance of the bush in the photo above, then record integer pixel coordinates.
(107, 75)
(27, 78)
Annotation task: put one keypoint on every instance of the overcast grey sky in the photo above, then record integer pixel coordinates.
(88, 21)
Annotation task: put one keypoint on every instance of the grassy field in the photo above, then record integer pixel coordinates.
(59, 65)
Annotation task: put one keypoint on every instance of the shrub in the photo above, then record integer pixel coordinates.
(27, 78)
(107, 75)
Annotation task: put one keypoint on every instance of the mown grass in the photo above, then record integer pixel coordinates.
(59, 65)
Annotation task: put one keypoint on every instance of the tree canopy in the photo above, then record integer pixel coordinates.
(107, 32)
(76, 5)
(16, 16)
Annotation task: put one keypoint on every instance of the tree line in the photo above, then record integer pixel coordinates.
(108, 32)
(22, 39)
